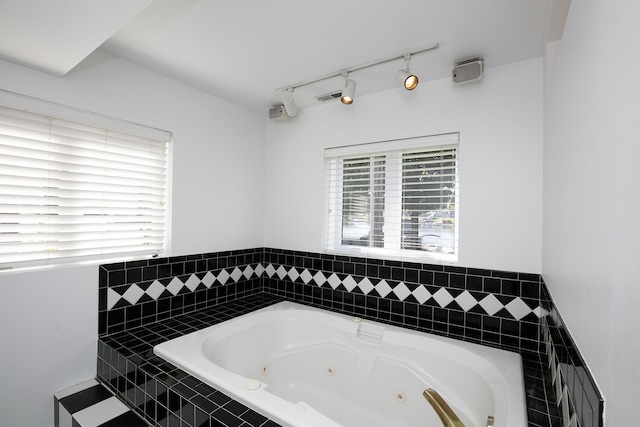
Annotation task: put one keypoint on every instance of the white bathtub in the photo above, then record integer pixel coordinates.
(306, 367)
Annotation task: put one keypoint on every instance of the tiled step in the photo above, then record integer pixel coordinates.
(90, 404)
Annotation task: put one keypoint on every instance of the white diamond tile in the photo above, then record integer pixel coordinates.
(281, 272)
(133, 294)
(565, 406)
(223, 276)
(306, 276)
(518, 308)
(401, 291)
(112, 298)
(558, 385)
(248, 272)
(259, 270)
(540, 312)
(270, 270)
(155, 290)
(421, 294)
(175, 285)
(319, 278)
(383, 288)
(293, 274)
(192, 282)
(466, 301)
(443, 297)
(334, 281)
(349, 283)
(365, 286)
(236, 274)
(491, 304)
(208, 279)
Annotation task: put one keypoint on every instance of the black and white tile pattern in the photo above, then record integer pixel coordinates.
(464, 300)
(90, 404)
(507, 310)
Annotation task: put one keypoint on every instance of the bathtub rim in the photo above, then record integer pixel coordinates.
(192, 365)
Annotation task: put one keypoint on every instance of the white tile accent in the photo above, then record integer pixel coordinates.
(208, 279)
(155, 290)
(248, 272)
(421, 294)
(133, 294)
(112, 298)
(518, 308)
(236, 274)
(491, 304)
(349, 283)
(192, 282)
(281, 272)
(75, 388)
(306, 276)
(334, 281)
(64, 417)
(293, 274)
(442, 297)
(175, 285)
(383, 288)
(259, 270)
(401, 291)
(565, 406)
(100, 413)
(540, 312)
(223, 276)
(270, 270)
(365, 286)
(319, 278)
(558, 385)
(466, 301)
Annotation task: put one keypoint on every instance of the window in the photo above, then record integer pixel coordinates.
(395, 199)
(76, 186)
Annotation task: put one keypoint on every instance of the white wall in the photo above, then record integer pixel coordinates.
(48, 320)
(500, 125)
(591, 254)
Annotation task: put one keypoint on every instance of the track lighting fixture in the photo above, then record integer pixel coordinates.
(348, 91)
(290, 104)
(408, 80)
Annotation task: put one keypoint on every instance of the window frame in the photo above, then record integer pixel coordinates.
(393, 149)
(80, 122)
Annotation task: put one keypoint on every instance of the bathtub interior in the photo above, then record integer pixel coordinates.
(355, 372)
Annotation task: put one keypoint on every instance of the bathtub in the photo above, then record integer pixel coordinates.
(308, 367)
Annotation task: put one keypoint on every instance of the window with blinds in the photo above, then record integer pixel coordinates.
(78, 187)
(394, 198)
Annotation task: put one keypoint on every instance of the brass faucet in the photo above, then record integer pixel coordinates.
(444, 411)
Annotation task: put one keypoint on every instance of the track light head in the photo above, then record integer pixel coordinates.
(348, 91)
(289, 104)
(408, 80)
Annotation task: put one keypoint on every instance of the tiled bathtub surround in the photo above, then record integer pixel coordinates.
(496, 308)
(575, 389)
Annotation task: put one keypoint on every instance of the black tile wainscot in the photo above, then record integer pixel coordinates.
(146, 302)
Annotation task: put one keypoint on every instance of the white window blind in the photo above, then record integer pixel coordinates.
(396, 199)
(76, 186)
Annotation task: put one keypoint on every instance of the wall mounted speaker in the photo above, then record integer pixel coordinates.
(468, 71)
(278, 113)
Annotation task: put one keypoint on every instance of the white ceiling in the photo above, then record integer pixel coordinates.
(242, 50)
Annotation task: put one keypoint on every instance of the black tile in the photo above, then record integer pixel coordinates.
(129, 419)
(85, 398)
